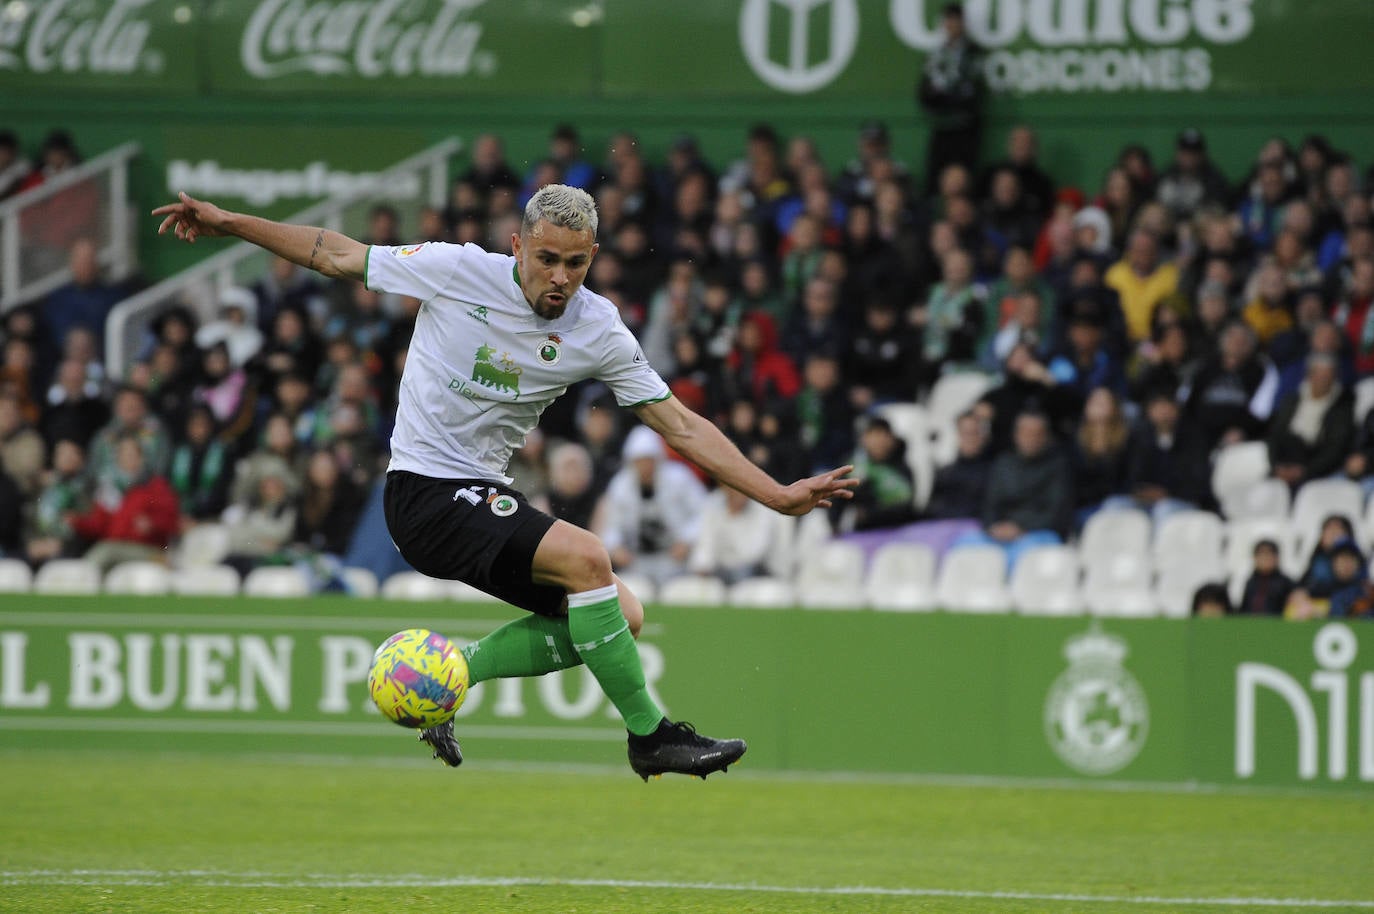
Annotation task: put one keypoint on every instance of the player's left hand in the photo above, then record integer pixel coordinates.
(820, 491)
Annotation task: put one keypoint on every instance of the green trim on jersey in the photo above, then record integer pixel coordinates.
(367, 259)
(515, 274)
(650, 402)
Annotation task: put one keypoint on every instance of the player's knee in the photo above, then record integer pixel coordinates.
(588, 566)
(631, 609)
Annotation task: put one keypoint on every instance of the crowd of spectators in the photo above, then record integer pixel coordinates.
(1134, 327)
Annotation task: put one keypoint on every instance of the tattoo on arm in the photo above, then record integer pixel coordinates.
(319, 240)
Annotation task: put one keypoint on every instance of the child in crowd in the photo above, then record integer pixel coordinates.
(1268, 588)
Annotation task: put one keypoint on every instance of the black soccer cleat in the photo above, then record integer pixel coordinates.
(677, 748)
(444, 744)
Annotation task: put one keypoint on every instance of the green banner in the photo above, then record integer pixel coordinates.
(1234, 701)
(1057, 47)
(99, 45)
(403, 47)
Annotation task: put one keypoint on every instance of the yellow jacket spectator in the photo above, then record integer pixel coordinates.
(1141, 281)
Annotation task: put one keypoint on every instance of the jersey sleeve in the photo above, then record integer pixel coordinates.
(418, 270)
(626, 371)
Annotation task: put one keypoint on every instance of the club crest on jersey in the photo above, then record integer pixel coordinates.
(502, 505)
(548, 350)
(480, 314)
(410, 249)
(503, 375)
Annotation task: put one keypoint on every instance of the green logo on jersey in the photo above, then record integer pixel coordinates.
(480, 313)
(501, 376)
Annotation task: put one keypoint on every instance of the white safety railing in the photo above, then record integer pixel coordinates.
(38, 227)
(199, 286)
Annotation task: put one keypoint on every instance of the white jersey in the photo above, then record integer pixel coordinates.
(483, 366)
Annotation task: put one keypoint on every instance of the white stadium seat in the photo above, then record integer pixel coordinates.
(361, 582)
(762, 593)
(902, 577)
(203, 544)
(1239, 466)
(693, 590)
(206, 581)
(1241, 536)
(1266, 498)
(141, 578)
(910, 423)
(1110, 533)
(1119, 584)
(1364, 399)
(954, 392)
(1180, 579)
(971, 580)
(640, 585)
(411, 585)
(276, 581)
(67, 576)
(1045, 582)
(1189, 537)
(1319, 499)
(15, 576)
(832, 577)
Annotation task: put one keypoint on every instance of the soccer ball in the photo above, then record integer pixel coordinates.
(418, 678)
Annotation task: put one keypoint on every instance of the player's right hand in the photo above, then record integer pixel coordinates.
(191, 218)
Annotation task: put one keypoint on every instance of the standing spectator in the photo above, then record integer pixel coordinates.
(653, 510)
(957, 492)
(756, 367)
(1037, 187)
(1313, 430)
(75, 408)
(329, 507)
(951, 93)
(737, 540)
(1029, 500)
(200, 470)
(84, 302)
(1191, 181)
(1142, 281)
(1267, 588)
(138, 519)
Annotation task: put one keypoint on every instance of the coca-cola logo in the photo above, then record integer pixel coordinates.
(77, 36)
(370, 40)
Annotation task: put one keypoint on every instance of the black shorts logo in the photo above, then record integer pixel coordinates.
(502, 505)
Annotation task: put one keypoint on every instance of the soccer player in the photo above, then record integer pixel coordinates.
(498, 338)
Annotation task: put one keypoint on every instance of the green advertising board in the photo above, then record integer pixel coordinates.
(1243, 701)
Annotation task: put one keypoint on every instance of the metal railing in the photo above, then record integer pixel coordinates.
(38, 227)
(243, 262)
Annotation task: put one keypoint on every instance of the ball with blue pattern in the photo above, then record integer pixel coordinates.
(418, 679)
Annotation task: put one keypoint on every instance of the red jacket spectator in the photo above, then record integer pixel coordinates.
(147, 514)
(758, 363)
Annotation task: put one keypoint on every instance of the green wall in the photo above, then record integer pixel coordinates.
(1240, 701)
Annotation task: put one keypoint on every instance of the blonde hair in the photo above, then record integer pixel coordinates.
(559, 204)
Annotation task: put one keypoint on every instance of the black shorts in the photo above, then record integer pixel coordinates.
(474, 531)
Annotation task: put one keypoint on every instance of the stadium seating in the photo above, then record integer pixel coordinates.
(203, 544)
(1266, 498)
(1110, 533)
(1321, 498)
(206, 581)
(1241, 536)
(67, 576)
(832, 577)
(971, 580)
(1179, 580)
(1237, 467)
(361, 582)
(276, 581)
(140, 578)
(901, 577)
(1045, 582)
(1189, 537)
(1364, 399)
(15, 576)
(693, 590)
(639, 585)
(411, 585)
(762, 593)
(952, 395)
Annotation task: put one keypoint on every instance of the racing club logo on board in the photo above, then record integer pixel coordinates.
(1096, 714)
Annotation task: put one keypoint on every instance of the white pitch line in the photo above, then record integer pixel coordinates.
(254, 880)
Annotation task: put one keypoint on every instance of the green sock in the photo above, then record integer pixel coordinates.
(602, 638)
(531, 646)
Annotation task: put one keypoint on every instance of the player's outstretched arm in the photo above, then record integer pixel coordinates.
(315, 248)
(701, 442)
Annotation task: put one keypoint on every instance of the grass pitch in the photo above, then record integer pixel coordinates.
(177, 833)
